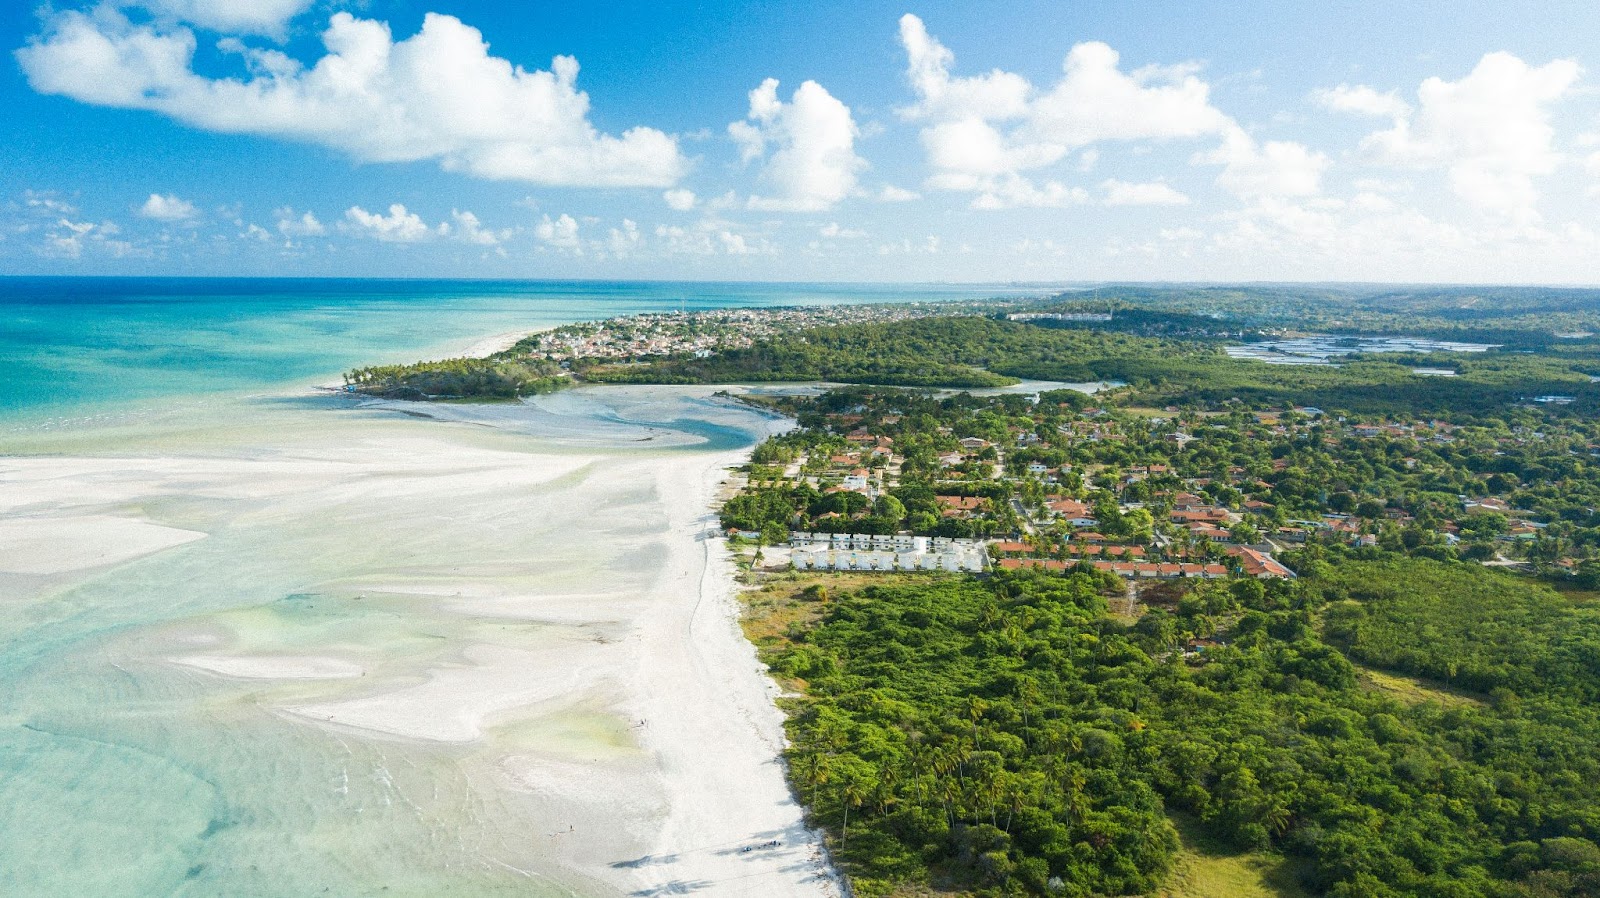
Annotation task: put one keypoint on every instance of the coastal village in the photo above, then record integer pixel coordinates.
(1029, 481)
(702, 333)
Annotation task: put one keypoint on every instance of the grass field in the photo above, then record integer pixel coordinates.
(1206, 869)
(1413, 691)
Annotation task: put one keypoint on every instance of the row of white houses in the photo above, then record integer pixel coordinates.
(900, 542)
(822, 558)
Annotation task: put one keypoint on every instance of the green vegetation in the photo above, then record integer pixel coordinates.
(1466, 628)
(1166, 342)
(1207, 868)
(1007, 737)
(1399, 720)
(973, 352)
(496, 377)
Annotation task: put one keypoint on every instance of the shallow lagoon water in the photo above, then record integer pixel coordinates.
(157, 736)
(358, 648)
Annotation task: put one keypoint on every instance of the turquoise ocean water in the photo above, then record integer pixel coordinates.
(187, 404)
(71, 347)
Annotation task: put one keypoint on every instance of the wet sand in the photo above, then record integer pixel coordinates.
(531, 602)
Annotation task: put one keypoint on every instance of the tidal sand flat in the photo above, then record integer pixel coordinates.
(283, 646)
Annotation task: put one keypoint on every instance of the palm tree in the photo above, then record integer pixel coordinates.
(852, 792)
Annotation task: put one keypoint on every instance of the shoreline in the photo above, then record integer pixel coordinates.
(609, 626)
(706, 634)
(488, 346)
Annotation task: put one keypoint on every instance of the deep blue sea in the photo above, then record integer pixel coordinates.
(74, 347)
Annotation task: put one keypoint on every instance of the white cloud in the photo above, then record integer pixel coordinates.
(68, 238)
(1154, 193)
(1363, 100)
(624, 240)
(1490, 131)
(813, 164)
(1275, 168)
(266, 17)
(986, 133)
(399, 226)
(982, 132)
(561, 233)
(1012, 191)
(679, 239)
(834, 231)
(48, 201)
(1371, 238)
(708, 237)
(733, 244)
(167, 207)
(996, 95)
(305, 225)
(468, 229)
(679, 199)
(437, 95)
(893, 194)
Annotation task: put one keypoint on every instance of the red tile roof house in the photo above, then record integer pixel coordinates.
(1012, 564)
(955, 505)
(1259, 565)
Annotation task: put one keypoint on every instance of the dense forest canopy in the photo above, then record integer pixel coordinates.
(1007, 737)
(968, 352)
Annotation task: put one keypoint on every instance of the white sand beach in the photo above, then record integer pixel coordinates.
(498, 343)
(536, 610)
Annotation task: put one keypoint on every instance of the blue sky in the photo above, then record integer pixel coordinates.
(819, 141)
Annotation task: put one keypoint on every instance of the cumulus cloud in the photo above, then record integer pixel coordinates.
(266, 17)
(561, 233)
(734, 244)
(834, 231)
(624, 240)
(813, 163)
(1011, 191)
(399, 226)
(893, 194)
(168, 208)
(679, 199)
(708, 237)
(1275, 168)
(1490, 131)
(69, 239)
(1363, 100)
(986, 133)
(468, 229)
(1153, 193)
(437, 95)
(304, 225)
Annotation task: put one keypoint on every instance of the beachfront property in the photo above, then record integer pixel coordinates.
(702, 334)
(902, 553)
